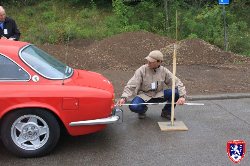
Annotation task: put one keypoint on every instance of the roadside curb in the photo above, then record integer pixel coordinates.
(218, 96)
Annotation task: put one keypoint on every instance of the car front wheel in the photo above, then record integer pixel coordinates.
(30, 132)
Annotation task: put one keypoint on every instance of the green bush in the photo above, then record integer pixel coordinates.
(206, 24)
(192, 36)
(238, 41)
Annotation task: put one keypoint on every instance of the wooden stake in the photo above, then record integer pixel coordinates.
(179, 125)
(173, 86)
(174, 73)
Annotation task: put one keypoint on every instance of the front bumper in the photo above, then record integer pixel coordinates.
(117, 116)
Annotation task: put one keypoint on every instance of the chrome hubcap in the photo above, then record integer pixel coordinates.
(30, 132)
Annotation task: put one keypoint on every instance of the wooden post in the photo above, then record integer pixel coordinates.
(179, 125)
(173, 86)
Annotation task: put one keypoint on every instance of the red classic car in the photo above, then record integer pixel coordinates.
(40, 95)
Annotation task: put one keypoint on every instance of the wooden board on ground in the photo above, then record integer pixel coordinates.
(178, 126)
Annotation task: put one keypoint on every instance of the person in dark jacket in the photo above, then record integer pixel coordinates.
(8, 27)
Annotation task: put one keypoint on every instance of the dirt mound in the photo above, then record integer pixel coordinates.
(197, 51)
(120, 52)
(127, 51)
(202, 67)
(124, 51)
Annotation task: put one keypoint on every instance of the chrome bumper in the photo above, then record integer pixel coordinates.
(117, 116)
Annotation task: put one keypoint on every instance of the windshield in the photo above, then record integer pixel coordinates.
(45, 64)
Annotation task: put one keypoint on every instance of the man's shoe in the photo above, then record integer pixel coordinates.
(142, 115)
(166, 115)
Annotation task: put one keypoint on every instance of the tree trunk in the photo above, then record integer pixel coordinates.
(166, 15)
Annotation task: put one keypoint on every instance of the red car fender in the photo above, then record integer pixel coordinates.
(29, 105)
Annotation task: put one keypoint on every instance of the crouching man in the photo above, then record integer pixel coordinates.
(150, 83)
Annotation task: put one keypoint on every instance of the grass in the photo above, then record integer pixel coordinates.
(54, 22)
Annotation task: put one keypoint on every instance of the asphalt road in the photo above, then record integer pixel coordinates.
(141, 142)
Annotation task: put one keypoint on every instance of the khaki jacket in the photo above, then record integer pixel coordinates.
(141, 83)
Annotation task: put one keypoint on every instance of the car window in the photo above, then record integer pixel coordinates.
(9, 70)
(45, 64)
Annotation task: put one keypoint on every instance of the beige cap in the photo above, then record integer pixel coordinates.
(154, 56)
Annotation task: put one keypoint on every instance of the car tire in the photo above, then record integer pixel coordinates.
(30, 132)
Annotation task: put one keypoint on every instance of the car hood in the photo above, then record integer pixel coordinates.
(93, 80)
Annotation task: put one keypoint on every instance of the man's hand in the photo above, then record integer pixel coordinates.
(121, 101)
(181, 101)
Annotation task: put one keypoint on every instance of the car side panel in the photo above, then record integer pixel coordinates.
(92, 103)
